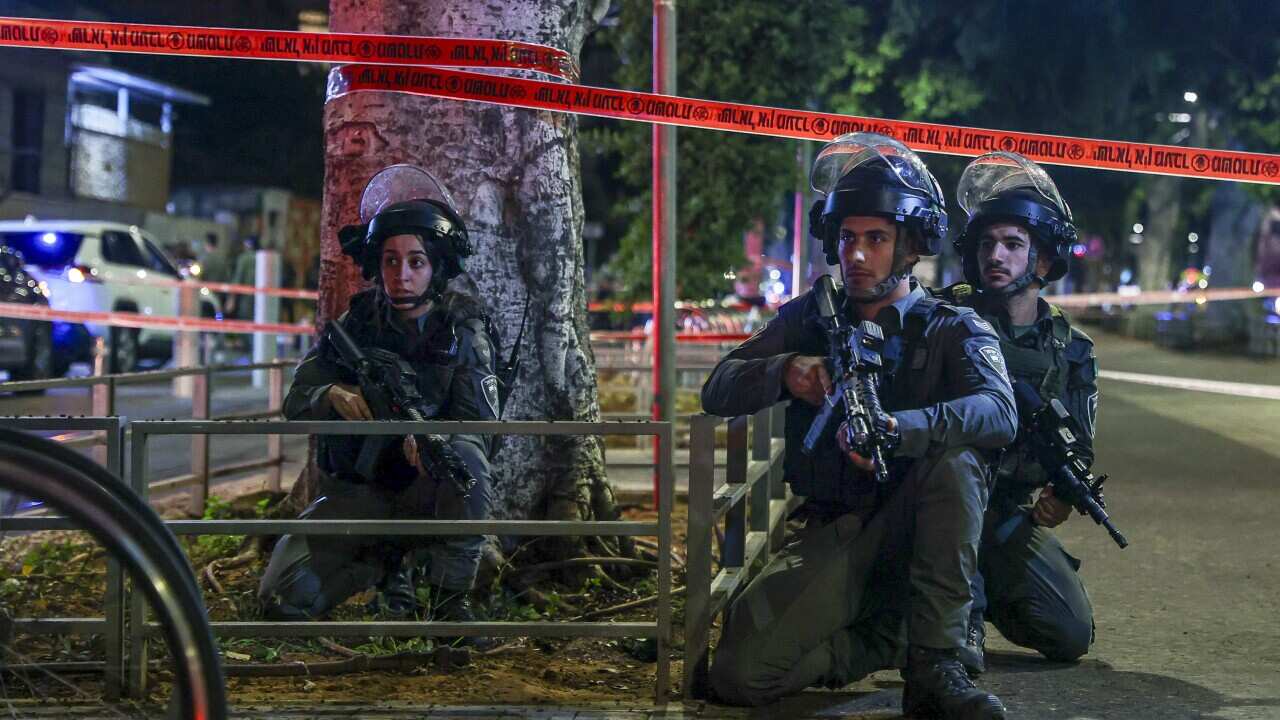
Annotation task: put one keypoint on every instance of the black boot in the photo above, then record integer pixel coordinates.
(938, 686)
(396, 598)
(455, 606)
(973, 654)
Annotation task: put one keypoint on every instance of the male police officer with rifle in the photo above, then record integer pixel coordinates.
(880, 576)
(415, 346)
(1018, 239)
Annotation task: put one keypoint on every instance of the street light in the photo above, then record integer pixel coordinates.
(1190, 96)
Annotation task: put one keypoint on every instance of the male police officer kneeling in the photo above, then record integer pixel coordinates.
(412, 247)
(1017, 240)
(880, 577)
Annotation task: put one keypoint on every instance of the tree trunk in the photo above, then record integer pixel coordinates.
(1235, 225)
(514, 175)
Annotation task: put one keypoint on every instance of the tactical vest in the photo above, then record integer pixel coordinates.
(1044, 367)
(826, 479)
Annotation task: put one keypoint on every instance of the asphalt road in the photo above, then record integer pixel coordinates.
(170, 456)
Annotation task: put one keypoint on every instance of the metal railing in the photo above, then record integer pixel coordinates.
(111, 625)
(752, 501)
(659, 630)
(102, 403)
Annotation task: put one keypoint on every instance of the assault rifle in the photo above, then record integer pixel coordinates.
(1052, 436)
(854, 361)
(389, 386)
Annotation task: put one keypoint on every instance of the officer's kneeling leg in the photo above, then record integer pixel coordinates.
(309, 575)
(1037, 597)
(794, 625)
(454, 562)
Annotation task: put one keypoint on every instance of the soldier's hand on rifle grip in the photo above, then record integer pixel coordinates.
(411, 451)
(1049, 511)
(347, 401)
(860, 462)
(806, 377)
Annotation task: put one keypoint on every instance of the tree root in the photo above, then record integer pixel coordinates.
(580, 561)
(340, 649)
(615, 609)
(244, 558)
(441, 658)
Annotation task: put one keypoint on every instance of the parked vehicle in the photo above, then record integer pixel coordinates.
(103, 266)
(26, 346)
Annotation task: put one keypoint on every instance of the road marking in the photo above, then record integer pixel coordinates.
(1263, 392)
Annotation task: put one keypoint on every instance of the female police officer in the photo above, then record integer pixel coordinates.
(423, 307)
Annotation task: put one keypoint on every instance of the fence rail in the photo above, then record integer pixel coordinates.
(660, 629)
(111, 626)
(102, 403)
(752, 502)
(127, 670)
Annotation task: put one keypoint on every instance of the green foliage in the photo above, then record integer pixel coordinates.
(750, 52)
(210, 547)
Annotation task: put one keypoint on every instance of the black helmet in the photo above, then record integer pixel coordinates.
(1005, 186)
(407, 200)
(870, 174)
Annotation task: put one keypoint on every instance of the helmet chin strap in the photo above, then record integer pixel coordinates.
(897, 276)
(413, 301)
(1028, 277)
(881, 289)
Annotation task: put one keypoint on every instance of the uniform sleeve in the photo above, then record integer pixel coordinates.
(750, 377)
(473, 392)
(981, 412)
(307, 398)
(1082, 391)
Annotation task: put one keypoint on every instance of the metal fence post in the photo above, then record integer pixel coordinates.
(113, 602)
(666, 491)
(733, 552)
(186, 352)
(102, 399)
(200, 410)
(136, 676)
(275, 448)
(760, 492)
(266, 309)
(697, 606)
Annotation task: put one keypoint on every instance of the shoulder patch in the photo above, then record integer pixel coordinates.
(994, 358)
(976, 324)
(490, 386)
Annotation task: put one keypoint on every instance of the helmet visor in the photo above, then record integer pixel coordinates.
(399, 183)
(999, 172)
(849, 152)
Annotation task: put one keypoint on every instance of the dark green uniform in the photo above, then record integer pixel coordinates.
(877, 567)
(1032, 592)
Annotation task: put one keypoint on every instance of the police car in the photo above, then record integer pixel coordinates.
(102, 266)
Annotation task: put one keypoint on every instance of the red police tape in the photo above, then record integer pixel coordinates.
(139, 320)
(806, 125)
(376, 52)
(192, 324)
(294, 46)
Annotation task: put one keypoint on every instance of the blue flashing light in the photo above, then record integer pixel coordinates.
(50, 239)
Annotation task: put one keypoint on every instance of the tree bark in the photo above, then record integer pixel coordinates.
(514, 175)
